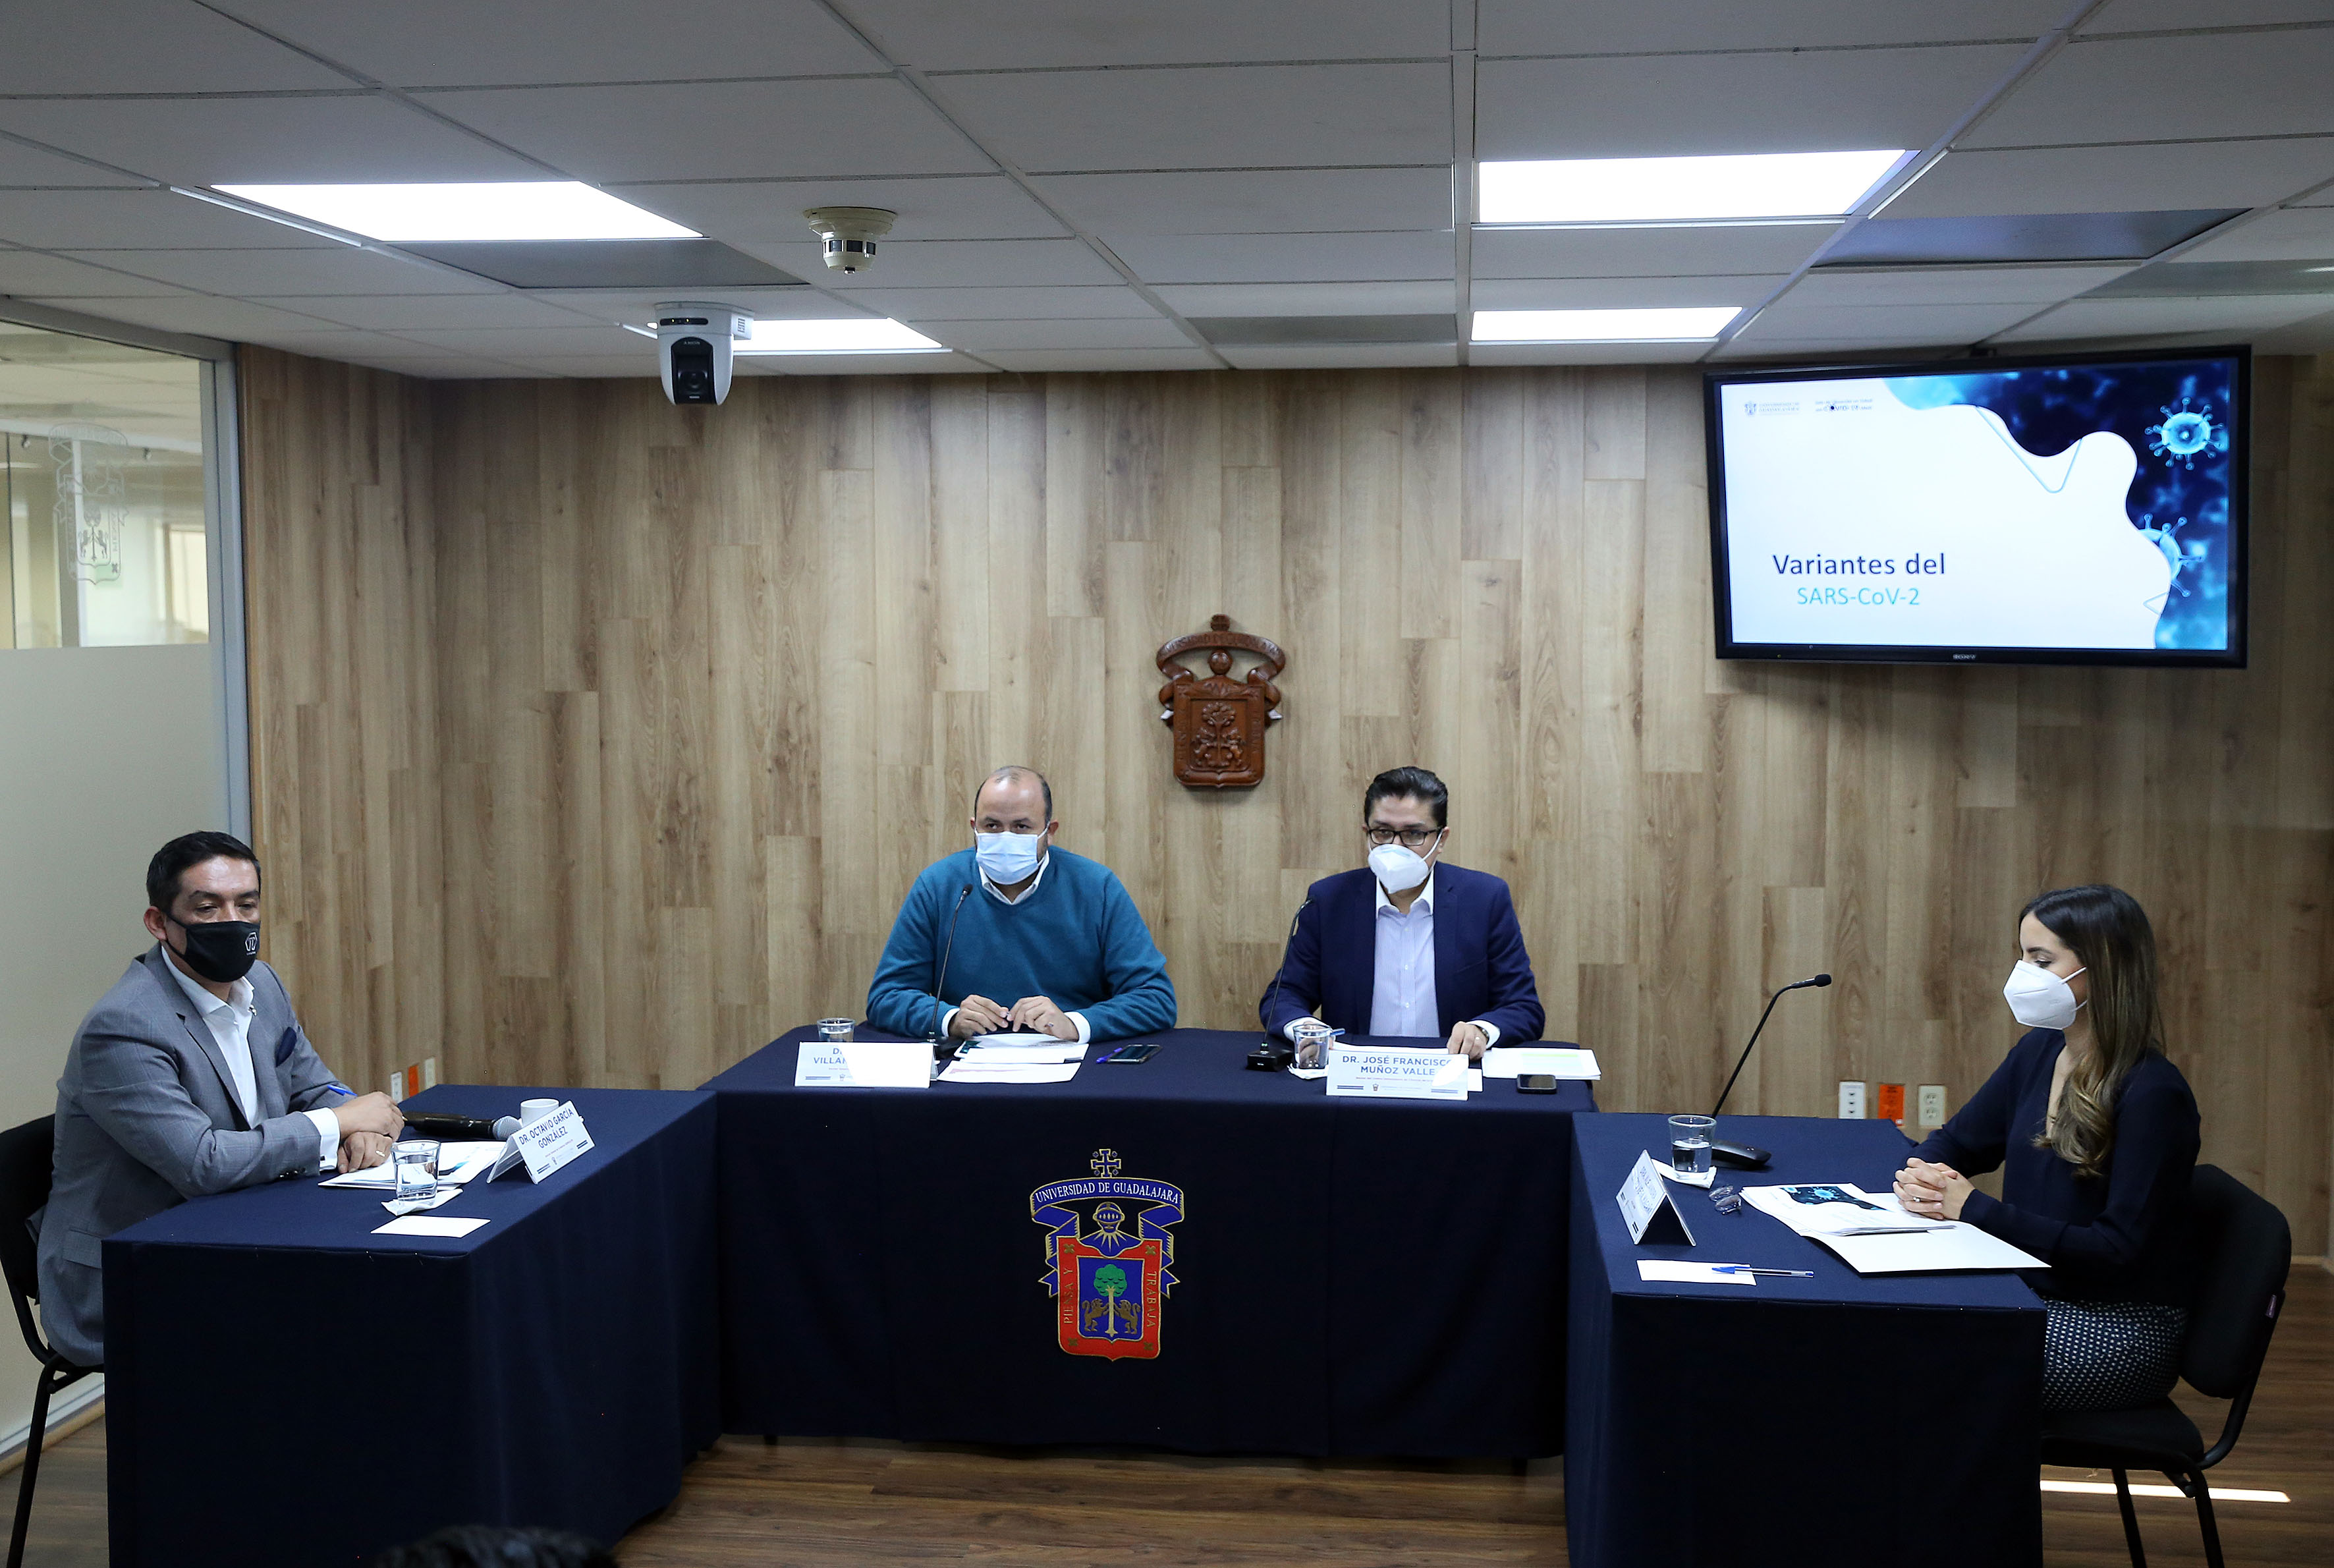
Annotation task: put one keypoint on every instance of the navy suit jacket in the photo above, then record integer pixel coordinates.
(1481, 968)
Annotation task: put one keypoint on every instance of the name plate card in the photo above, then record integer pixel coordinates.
(863, 1064)
(546, 1144)
(1647, 1207)
(1398, 1074)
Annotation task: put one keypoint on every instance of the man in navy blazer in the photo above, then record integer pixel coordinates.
(1410, 944)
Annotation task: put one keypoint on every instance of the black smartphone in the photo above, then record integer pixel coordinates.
(1535, 1083)
(1128, 1053)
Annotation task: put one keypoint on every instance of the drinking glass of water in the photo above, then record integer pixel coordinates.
(416, 1168)
(836, 1031)
(1312, 1038)
(1689, 1144)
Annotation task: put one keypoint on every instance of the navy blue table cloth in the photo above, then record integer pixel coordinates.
(1349, 1276)
(1776, 1423)
(284, 1388)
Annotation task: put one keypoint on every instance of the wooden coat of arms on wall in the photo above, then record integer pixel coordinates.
(1219, 722)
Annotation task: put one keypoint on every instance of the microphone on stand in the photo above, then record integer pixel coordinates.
(1271, 1055)
(1743, 1156)
(940, 1008)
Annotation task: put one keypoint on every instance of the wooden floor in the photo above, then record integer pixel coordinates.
(807, 1504)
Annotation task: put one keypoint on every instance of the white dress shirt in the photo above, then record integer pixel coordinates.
(1077, 1019)
(1402, 993)
(230, 1026)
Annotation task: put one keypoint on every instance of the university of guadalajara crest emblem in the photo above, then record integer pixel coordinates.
(1109, 1258)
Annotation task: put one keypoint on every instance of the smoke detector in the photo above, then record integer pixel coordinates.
(850, 233)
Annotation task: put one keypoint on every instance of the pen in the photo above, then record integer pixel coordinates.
(1747, 1269)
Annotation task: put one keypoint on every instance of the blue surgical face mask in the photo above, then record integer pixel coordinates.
(1007, 859)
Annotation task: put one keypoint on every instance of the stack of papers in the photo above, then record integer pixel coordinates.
(1016, 1059)
(457, 1163)
(1562, 1061)
(1873, 1234)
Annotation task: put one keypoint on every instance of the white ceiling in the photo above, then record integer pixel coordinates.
(1077, 180)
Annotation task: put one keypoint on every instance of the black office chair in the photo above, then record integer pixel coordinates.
(27, 1156)
(2243, 1250)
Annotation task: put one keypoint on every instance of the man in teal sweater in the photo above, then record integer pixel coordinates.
(1015, 917)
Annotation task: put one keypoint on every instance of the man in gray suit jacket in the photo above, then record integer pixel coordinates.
(192, 1076)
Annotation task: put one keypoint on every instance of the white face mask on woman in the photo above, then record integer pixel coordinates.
(2040, 999)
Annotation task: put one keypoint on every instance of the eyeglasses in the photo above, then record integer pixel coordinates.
(1729, 1200)
(1411, 838)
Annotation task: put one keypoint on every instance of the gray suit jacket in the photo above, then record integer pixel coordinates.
(147, 1118)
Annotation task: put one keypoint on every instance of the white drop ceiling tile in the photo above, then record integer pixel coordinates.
(1621, 26)
(1224, 117)
(1619, 292)
(2157, 177)
(1835, 351)
(261, 141)
(1107, 333)
(335, 344)
(966, 206)
(443, 43)
(1339, 355)
(2171, 88)
(1894, 285)
(237, 320)
(139, 220)
(149, 46)
(30, 166)
(1679, 104)
(948, 263)
(2133, 318)
(448, 367)
(1888, 324)
(940, 35)
(597, 367)
(1104, 358)
(1252, 200)
(1715, 250)
(861, 364)
(440, 312)
(2185, 16)
(2295, 234)
(1424, 298)
(1285, 258)
(721, 129)
(539, 343)
(343, 269)
(920, 305)
(1586, 352)
(32, 273)
(638, 304)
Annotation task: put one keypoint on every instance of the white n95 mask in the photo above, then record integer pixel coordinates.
(1399, 868)
(1007, 859)
(2040, 999)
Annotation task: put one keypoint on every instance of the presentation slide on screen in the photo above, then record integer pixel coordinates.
(2070, 506)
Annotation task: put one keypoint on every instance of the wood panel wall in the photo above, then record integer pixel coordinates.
(597, 740)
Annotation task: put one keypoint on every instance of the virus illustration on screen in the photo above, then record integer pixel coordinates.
(2181, 556)
(2184, 432)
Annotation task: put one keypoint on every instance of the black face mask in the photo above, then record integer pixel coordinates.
(222, 950)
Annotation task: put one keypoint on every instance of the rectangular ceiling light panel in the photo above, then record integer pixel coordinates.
(1748, 187)
(1684, 324)
(501, 210)
(846, 334)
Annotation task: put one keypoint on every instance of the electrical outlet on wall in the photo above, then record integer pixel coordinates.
(1851, 1101)
(1933, 1105)
(430, 1072)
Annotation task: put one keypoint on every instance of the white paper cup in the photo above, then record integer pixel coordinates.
(536, 1109)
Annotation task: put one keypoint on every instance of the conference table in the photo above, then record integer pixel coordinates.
(285, 1386)
(1332, 1275)
(1841, 1419)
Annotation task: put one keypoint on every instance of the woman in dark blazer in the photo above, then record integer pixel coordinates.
(2095, 1132)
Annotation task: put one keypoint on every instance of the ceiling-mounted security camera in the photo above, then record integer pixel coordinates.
(850, 233)
(693, 345)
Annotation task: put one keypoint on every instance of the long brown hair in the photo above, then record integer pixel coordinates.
(2108, 930)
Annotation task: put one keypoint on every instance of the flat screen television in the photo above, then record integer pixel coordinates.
(2086, 509)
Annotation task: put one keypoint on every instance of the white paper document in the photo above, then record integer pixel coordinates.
(1873, 1235)
(997, 1047)
(973, 1070)
(1561, 1061)
(427, 1226)
(1655, 1269)
(457, 1163)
